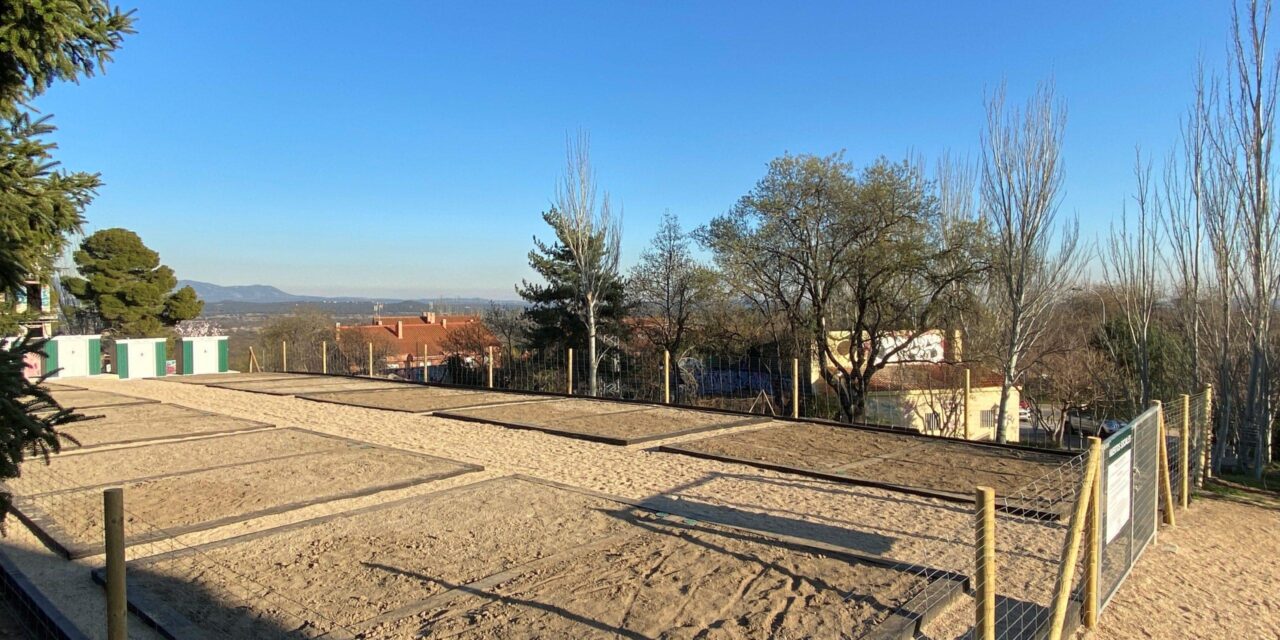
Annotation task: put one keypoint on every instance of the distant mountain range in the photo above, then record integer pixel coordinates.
(267, 294)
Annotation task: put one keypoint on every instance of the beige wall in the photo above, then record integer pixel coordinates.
(912, 408)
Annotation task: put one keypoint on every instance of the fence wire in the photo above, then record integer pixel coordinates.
(221, 600)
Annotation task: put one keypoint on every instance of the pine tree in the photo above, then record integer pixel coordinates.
(125, 285)
(40, 43)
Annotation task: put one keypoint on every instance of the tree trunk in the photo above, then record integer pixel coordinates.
(593, 364)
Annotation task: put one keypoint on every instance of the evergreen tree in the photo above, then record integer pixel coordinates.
(555, 310)
(40, 43)
(125, 285)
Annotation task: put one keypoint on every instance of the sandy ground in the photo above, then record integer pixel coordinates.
(871, 521)
(1214, 575)
(882, 457)
(622, 420)
(140, 422)
(85, 401)
(419, 399)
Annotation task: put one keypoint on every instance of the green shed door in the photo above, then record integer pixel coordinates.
(160, 358)
(95, 356)
(224, 356)
(122, 360)
(50, 356)
(188, 357)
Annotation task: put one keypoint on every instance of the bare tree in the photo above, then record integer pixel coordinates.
(1021, 185)
(592, 234)
(1243, 143)
(508, 325)
(667, 286)
(1130, 266)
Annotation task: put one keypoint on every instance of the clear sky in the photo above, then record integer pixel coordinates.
(407, 148)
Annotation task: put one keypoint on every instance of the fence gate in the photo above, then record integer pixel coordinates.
(1130, 499)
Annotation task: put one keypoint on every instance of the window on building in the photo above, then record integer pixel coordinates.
(989, 419)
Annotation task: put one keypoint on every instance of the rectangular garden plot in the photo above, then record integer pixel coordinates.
(618, 423)
(81, 399)
(172, 505)
(216, 378)
(419, 399)
(90, 468)
(925, 466)
(129, 424)
(308, 384)
(513, 558)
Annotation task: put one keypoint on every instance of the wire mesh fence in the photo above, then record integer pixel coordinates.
(214, 595)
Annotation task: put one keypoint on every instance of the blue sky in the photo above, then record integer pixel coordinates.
(407, 148)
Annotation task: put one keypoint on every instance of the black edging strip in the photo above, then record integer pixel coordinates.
(21, 589)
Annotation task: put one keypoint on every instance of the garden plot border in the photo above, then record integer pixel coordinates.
(204, 382)
(20, 588)
(60, 386)
(48, 531)
(250, 426)
(595, 437)
(940, 592)
(389, 384)
(1054, 515)
(134, 400)
(364, 405)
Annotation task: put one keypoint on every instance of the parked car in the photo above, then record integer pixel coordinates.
(1085, 425)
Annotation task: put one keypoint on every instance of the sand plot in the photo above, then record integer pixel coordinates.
(419, 399)
(176, 504)
(602, 421)
(80, 399)
(515, 556)
(89, 468)
(308, 384)
(938, 468)
(215, 378)
(133, 423)
(54, 386)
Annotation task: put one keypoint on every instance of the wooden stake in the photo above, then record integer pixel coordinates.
(1071, 550)
(117, 600)
(324, 356)
(984, 579)
(490, 367)
(1184, 454)
(965, 420)
(284, 356)
(425, 379)
(1093, 543)
(370, 359)
(1166, 487)
(1208, 435)
(570, 370)
(666, 376)
(795, 387)
(253, 360)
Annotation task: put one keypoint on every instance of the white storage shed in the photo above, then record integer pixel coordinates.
(206, 354)
(140, 357)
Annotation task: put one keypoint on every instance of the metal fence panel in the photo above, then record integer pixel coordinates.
(1130, 499)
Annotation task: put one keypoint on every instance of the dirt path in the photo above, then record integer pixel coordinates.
(1215, 575)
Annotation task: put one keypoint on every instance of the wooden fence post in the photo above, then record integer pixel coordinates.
(666, 376)
(284, 356)
(490, 367)
(570, 371)
(324, 356)
(1071, 550)
(1207, 463)
(1184, 454)
(1166, 485)
(1092, 560)
(965, 420)
(252, 360)
(795, 387)
(117, 601)
(370, 359)
(984, 579)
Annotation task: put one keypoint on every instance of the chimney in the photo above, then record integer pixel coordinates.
(429, 316)
(444, 322)
(377, 321)
(957, 346)
(400, 329)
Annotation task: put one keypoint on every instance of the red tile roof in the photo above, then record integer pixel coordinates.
(416, 332)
